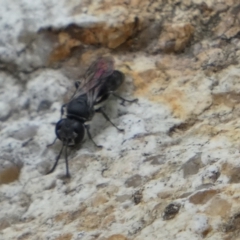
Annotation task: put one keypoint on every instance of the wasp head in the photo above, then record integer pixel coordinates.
(70, 131)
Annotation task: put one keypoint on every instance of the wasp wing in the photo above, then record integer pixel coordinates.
(95, 77)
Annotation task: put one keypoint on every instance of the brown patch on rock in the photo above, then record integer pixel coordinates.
(4, 224)
(99, 34)
(67, 236)
(99, 200)
(117, 237)
(68, 217)
(149, 75)
(183, 127)
(192, 166)
(65, 45)
(174, 38)
(61, 217)
(202, 197)
(218, 207)
(228, 99)
(233, 172)
(90, 221)
(134, 181)
(157, 210)
(175, 100)
(163, 85)
(149, 82)
(108, 220)
(165, 194)
(9, 173)
(123, 198)
(154, 90)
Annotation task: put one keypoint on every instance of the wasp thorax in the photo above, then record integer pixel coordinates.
(70, 131)
(115, 80)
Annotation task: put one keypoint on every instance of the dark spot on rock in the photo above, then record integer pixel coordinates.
(183, 127)
(44, 105)
(102, 185)
(171, 210)
(137, 197)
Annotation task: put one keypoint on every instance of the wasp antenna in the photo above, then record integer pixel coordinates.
(66, 161)
(56, 161)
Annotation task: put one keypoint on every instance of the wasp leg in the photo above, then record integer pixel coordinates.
(108, 119)
(49, 145)
(56, 161)
(66, 162)
(90, 136)
(77, 84)
(123, 99)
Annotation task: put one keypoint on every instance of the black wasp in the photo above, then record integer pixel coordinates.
(100, 81)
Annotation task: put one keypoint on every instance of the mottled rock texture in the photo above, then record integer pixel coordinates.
(174, 173)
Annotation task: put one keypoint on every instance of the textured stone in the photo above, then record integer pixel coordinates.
(67, 236)
(232, 226)
(210, 175)
(134, 181)
(218, 207)
(171, 210)
(117, 237)
(180, 145)
(99, 200)
(9, 172)
(202, 197)
(192, 165)
(174, 38)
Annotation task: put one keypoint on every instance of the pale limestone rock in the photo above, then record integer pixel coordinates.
(181, 140)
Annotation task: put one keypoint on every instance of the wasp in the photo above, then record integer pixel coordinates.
(99, 82)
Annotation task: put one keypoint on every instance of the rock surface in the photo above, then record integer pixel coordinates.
(174, 173)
